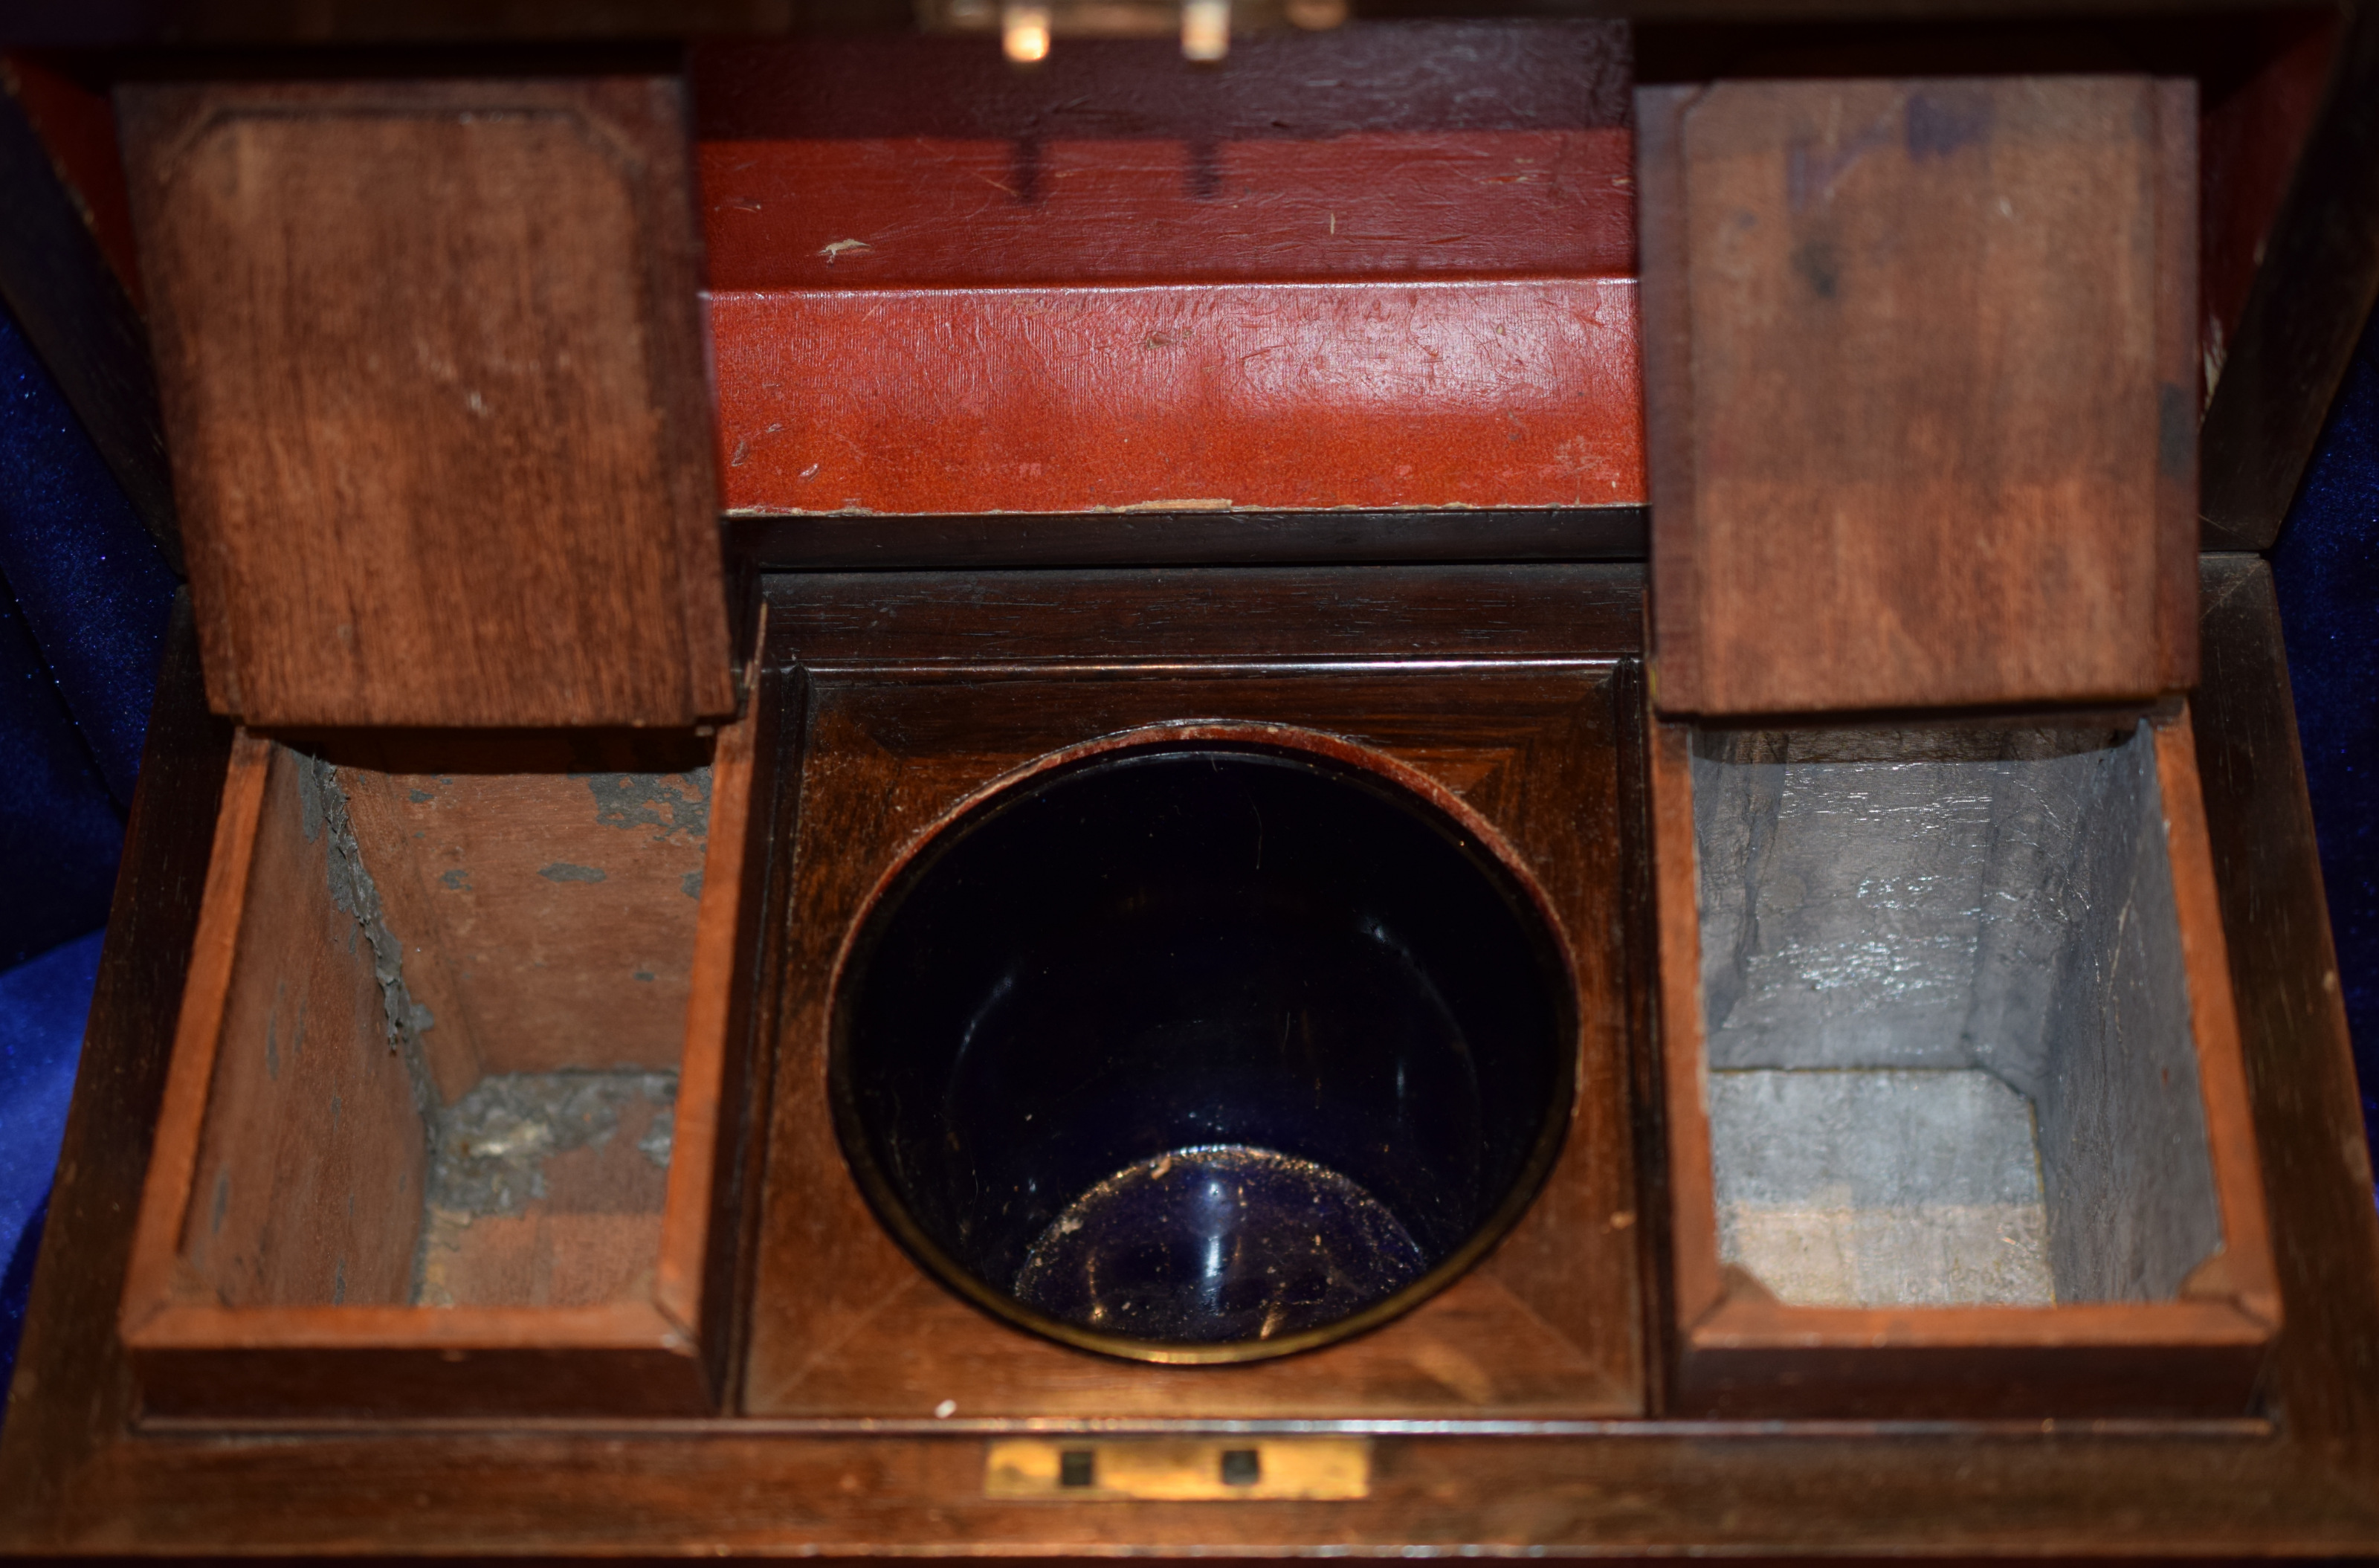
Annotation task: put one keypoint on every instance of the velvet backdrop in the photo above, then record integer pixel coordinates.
(84, 594)
(2326, 570)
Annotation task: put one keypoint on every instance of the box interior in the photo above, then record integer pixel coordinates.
(447, 1062)
(1949, 1046)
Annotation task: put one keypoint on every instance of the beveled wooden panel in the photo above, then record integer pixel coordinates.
(431, 366)
(1922, 391)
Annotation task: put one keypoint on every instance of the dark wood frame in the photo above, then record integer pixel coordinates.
(966, 686)
(917, 542)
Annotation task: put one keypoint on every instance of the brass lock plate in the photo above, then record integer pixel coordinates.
(1178, 1470)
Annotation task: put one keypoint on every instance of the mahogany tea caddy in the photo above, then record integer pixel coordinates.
(1763, 527)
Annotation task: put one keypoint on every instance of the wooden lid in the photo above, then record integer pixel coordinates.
(1922, 406)
(430, 354)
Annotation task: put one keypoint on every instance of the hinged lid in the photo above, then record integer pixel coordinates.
(431, 361)
(1922, 402)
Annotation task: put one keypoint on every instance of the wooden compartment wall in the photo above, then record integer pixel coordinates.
(443, 1130)
(1957, 1120)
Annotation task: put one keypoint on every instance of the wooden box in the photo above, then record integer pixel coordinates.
(453, 1113)
(444, 1130)
(1956, 1116)
(1293, 405)
(1957, 1120)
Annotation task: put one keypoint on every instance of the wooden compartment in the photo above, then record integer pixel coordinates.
(924, 693)
(443, 1129)
(1957, 1122)
(873, 1421)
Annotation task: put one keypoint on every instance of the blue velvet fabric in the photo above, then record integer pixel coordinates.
(42, 1008)
(2326, 571)
(60, 828)
(89, 582)
(84, 597)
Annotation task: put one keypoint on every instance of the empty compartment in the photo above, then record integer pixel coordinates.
(1203, 1052)
(1949, 1006)
(1947, 1022)
(445, 1056)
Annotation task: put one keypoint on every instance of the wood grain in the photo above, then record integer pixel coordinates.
(309, 1177)
(1696, 1286)
(2241, 1272)
(930, 620)
(707, 1215)
(1376, 268)
(588, 1240)
(432, 370)
(1918, 365)
(845, 1325)
(2180, 369)
(77, 1473)
(2293, 1040)
(547, 890)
